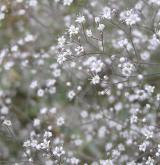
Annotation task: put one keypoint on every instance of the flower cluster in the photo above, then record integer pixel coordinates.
(80, 82)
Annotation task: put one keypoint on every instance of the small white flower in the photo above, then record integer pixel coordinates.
(79, 50)
(95, 80)
(61, 58)
(149, 89)
(67, 2)
(97, 19)
(40, 92)
(150, 161)
(133, 119)
(143, 146)
(145, 55)
(36, 122)
(71, 94)
(58, 151)
(61, 40)
(127, 69)
(33, 84)
(101, 27)
(4, 110)
(7, 122)
(106, 162)
(106, 13)
(80, 19)
(74, 161)
(147, 133)
(33, 3)
(89, 33)
(27, 143)
(60, 121)
(73, 30)
(130, 17)
(95, 65)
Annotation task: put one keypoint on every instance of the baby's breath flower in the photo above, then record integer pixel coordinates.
(60, 121)
(58, 151)
(67, 2)
(89, 33)
(101, 27)
(130, 17)
(7, 122)
(61, 41)
(79, 50)
(95, 80)
(71, 94)
(80, 19)
(107, 13)
(73, 30)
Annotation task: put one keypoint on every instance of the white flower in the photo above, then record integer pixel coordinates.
(130, 17)
(153, 42)
(101, 27)
(33, 84)
(50, 82)
(150, 161)
(101, 132)
(79, 50)
(106, 162)
(145, 55)
(61, 58)
(44, 144)
(141, 94)
(29, 38)
(133, 119)
(67, 2)
(33, 3)
(47, 134)
(89, 33)
(127, 69)
(143, 146)
(36, 122)
(158, 97)
(84, 114)
(80, 19)
(95, 80)
(40, 92)
(7, 122)
(27, 143)
(8, 65)
(58, 151)
(94, 64)
(61, 40)
(74, 160)
(4, 110)
(149, 89)
(147, 133)
(60, 121)
(158, 151)
(71, 94)
(97, 19)
(73, 30)
(106, 13)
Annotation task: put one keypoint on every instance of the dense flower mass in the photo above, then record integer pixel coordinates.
(80, 82)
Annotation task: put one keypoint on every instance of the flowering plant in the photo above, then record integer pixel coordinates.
(80, 82)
